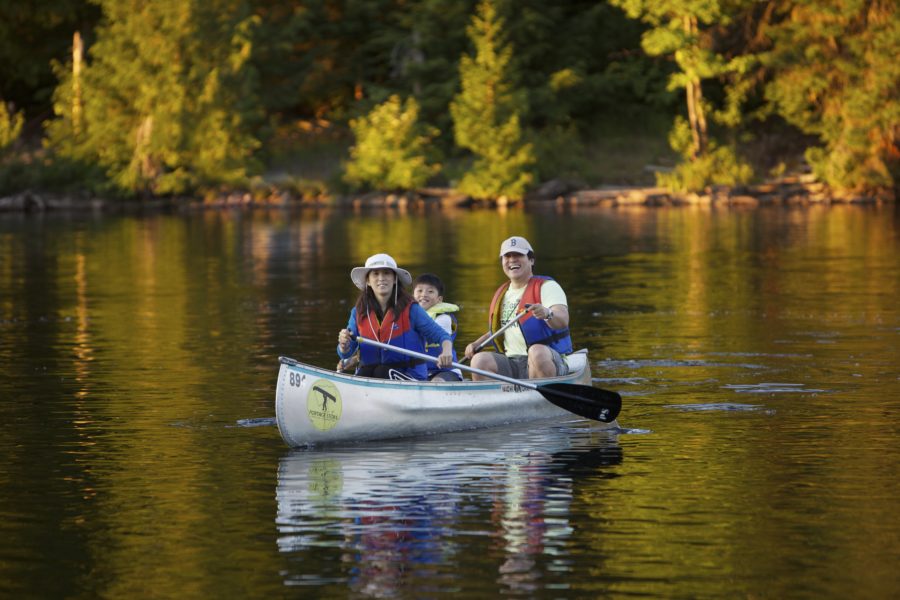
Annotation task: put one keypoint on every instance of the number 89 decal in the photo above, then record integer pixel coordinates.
(296, 379)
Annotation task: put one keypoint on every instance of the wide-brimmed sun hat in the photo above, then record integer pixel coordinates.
(379, 261)
(515, 244)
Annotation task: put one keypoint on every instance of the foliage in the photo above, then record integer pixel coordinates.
(720, 165)
(171, 98)
(686, 30)
(39, 171)
(321, 57)
(166, 103)
(573, 73)
(836, 75)
(486, 114)
(559, 153)
(424, 59)
(10, 125)
(391, 148)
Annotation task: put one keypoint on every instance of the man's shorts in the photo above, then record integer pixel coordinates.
(517, 366)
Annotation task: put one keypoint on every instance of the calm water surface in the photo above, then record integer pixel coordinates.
(758, 353)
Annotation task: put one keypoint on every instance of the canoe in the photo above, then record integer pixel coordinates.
(320, 406)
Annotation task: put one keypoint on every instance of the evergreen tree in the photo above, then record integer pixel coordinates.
(168, 98)
(391, 150)
(487, 112)
(836, 75)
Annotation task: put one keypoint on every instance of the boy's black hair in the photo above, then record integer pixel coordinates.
(432, 280)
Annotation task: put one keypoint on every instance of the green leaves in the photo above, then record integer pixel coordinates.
(10, 125)
(836, 75)
(391, 148)
(168, 100)
(486, 114)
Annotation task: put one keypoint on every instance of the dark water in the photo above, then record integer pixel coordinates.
(758, 352)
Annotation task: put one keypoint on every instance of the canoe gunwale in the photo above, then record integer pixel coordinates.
(367, 381)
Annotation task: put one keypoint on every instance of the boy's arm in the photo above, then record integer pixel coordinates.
(426, 326)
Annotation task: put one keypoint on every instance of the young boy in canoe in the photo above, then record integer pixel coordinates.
(428, 290)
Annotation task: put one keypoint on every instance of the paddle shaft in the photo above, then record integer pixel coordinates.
(583, 400)
(509, 324)
(434, 359)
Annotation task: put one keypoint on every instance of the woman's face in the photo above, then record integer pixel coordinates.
(381, 281)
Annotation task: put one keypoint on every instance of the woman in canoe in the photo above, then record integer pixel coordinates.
(386, 312)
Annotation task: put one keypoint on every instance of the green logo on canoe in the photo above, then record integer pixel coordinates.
(323, 404)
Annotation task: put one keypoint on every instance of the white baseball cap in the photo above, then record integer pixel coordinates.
(515, 244)
(379, 261)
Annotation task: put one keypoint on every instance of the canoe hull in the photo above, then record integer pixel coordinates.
(317, 406)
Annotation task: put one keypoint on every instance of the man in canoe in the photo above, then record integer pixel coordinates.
(387, 313)
(535, 347)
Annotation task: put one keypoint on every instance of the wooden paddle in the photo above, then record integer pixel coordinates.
(510, 323)
(583, 400)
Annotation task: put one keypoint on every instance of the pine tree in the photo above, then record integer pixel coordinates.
(836, 75)
(391, 148)
(487, 112)
(168, 98)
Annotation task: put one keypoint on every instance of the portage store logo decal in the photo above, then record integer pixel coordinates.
(323, 404)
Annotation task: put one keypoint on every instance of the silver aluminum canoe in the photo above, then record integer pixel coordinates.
(319, 406)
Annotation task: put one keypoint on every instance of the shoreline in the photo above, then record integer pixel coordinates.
(797, 190)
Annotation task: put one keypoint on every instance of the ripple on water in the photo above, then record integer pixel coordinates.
(773, 388)
(260, 422)
(672, 363)
(720, 406)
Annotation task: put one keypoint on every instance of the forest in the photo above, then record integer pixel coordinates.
(170, 98)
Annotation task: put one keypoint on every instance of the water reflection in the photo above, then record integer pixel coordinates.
(401, 509)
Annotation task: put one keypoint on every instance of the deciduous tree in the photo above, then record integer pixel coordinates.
(836, 75)
(683, 30)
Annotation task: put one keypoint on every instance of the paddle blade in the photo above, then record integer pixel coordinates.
(584, 400)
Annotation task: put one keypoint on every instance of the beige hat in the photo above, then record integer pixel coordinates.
(379, 261)
(515, 244)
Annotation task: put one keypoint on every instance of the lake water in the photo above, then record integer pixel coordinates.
(757, 352)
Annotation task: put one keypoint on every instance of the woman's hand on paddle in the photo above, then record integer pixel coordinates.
(344, 338)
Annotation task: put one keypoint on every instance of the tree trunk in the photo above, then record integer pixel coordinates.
(696, 116)
(77, 53)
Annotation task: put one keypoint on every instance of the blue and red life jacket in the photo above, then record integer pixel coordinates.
(536, 331)
(395, 332)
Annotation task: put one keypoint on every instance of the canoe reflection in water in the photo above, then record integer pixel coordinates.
(390, 517)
